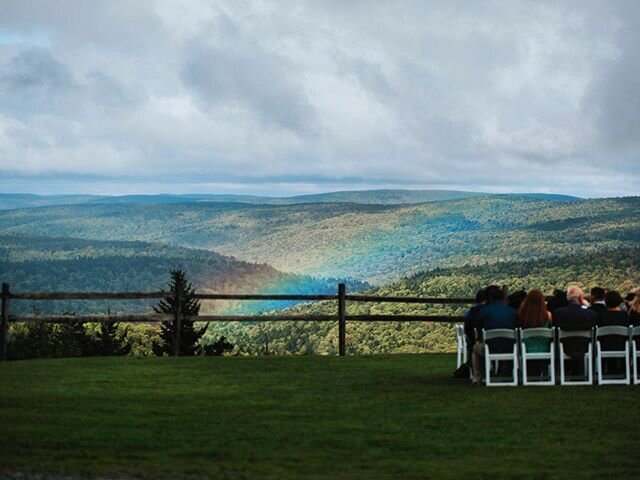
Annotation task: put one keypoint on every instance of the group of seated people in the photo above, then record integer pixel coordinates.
(573, 311)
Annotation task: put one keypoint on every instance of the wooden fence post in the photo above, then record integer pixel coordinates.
(342, 321)
(4, 322)
(177, 324)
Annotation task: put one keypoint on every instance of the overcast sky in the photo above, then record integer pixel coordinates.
(294, 97)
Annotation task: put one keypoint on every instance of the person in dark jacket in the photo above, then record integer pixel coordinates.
(496, 314)
(516, 299)
(573, 317)
(614, 316)
(597, 303)
(471, 319)
(558, 300)
(634, 314)
(634, 309)
(470, 326)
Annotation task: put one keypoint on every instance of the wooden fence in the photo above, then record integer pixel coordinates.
(176, 317)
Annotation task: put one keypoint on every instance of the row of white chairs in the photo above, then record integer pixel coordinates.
(519, 357)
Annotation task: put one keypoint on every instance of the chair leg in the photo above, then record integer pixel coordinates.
(599, 363)
(487, 367)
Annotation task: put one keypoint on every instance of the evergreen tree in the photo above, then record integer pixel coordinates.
(108, 343)
(190, 307)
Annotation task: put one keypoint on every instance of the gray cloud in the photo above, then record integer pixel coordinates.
(535, 96)
(232, 70)
(33, 81)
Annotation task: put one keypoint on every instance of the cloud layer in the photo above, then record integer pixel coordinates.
(292, 96)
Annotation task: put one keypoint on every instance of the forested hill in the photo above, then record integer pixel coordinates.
(64, 264)
(617, 269)
(370, 197)
(377, 243)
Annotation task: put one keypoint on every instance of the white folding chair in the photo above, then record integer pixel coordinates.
(588, 357)
(634, 335)
(462, 345)
(500, 333)
(618, 331)
(525, 356)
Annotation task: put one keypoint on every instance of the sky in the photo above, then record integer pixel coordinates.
(290, 97)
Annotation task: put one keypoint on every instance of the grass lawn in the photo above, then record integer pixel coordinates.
(395, 417)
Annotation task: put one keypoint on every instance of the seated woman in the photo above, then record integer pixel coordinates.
(634, 309)
(533, 313)
(613, 316)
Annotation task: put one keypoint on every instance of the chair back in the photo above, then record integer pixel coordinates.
(562, 334)
(506, 333)
(536, 332)
(616, 330)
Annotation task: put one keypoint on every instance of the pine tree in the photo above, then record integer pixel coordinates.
(190, 307)
(108, 342)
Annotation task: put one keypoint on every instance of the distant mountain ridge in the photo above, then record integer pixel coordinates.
(10, 201)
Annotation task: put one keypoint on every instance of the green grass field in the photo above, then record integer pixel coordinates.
(384, 417)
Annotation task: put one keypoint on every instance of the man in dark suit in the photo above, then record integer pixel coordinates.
(597, 303)
(575, 316)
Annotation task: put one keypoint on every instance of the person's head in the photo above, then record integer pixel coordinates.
(495, 294)
(533, 311)
(481, 296)
(612, 299)
(558, 300)
(634, 305)
(575, 294)
(597, 294)
(516, 299)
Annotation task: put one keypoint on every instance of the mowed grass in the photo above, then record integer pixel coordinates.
(396, 417)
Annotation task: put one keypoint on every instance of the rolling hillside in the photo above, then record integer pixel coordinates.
(618, 269)
(63, 264)
(376, 243)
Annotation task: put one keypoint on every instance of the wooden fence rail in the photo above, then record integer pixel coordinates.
(177, 316)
